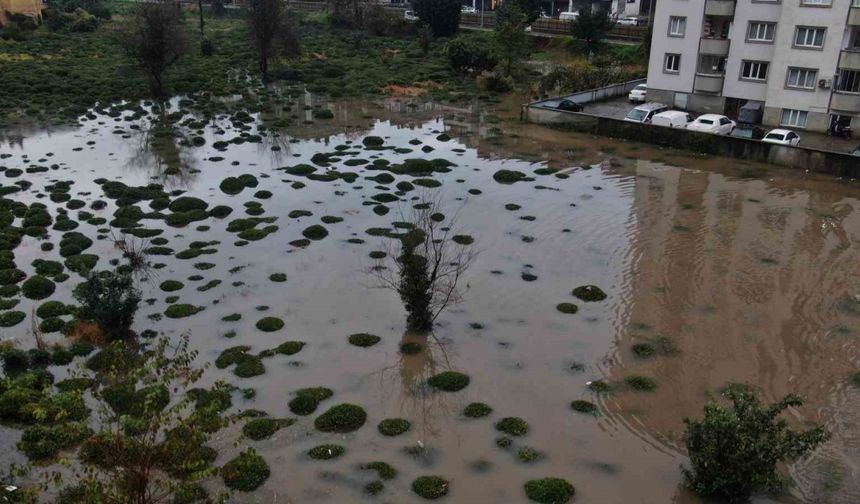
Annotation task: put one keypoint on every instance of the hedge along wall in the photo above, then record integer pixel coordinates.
(831, 163)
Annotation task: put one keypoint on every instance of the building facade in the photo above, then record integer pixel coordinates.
(799, 59)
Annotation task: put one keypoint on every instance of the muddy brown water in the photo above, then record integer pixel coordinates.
(755, 280)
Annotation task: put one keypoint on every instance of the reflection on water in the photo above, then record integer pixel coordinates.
(753, 280)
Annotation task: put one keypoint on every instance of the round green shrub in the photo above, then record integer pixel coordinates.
(509, 176)
(393, 426)
(583, 406)
(449, 381)
(364, 340)
(52, 324)
(315, 232)
(477, 410)
(270, 324)
(38, 287)
(598, 386)
(463, 239)
(341, 418)
(568, 308)
(373, 141)
(278, 277)
(383, 469)
(549, 490)
(290, 347)
(642, 383)
(430, 487)
(248, 366)
(246, 472)
(643, 350)
(262, 428)
(231, 185)
(326, 451)
(176, 311)
(187, 204)
(589, 293)
(513, 426)
(50, 309)
(220, 211)
(171, 285)
(307, 399)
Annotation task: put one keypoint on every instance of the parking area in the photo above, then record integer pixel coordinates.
(617, 108)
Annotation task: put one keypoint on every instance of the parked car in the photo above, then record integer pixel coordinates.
(569, 106)
(627, 21)
(638, 94)
(748, 131)
(643, 113)
(781, 137)
(468, 10)
(672, 119)
(713, 123)
(856, 152)
(568, 16)
(410, 16)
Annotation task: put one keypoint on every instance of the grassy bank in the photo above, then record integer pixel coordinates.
(55, 76)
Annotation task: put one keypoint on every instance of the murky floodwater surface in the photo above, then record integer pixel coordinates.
(753, 280)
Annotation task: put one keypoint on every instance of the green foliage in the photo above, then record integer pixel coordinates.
(589, 293)
(307, 399)
(583, 406)
(442, 16)
(270, 324)
(511, 39)
(430, 487)
(154, 38)
(364, 340)
(41, 442)
(326, 451)
(734, 452)
(642, 383)
(383, 469)
(549, 490)
(37, 287)
(509, 176)
(111, 300)
(513, 426)
(341, 418)
(591, 27)
(477, 410)
(449, 381)
(246, 472)
(262, 428)
(393, 426)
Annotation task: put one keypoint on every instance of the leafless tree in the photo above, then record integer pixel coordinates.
(155, 39)
(271, 31)
(425, 264)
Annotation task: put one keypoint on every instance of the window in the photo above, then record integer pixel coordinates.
(677, 26)
(848, 81)
(816, 2)
(760, 32)
(754, 70)
(808, 36)
(795, 118)
(713, 65)
(801, 78)
(673, 63)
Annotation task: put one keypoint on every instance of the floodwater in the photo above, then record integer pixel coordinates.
(751, 271)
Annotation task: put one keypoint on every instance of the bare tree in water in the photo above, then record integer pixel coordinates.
(271, 31)
(155, 39)
(425, 264)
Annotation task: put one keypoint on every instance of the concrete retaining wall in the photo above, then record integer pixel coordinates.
(831, 163)
(591, 95)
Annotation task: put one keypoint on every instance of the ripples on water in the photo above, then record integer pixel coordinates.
(746, 277)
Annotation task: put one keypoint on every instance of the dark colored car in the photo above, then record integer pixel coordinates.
(748, 131)
(856, 152)
(570, 106)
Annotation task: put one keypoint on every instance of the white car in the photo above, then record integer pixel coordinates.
(568, 16)
(781, 137)
(638, 94)
(410, 16)
(713, 123)
(627, 21)
(468, 10)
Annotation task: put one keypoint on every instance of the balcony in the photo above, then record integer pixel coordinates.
(719, 7)
(708, 83)
(854, 15)
(845, 102)
(715, 46)
(849, 59)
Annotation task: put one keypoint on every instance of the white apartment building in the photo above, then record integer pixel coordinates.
(799, 58)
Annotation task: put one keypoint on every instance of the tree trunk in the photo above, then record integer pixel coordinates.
(200, 7)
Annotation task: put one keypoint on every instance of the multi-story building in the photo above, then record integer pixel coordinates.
(800, 59)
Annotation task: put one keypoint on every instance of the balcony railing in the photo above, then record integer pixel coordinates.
(845, 102)
(850, 59)
(715, 46)
(719, 7)
(708, 83)
(854, 14)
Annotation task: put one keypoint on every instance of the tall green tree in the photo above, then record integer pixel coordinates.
(442, 16)
(511, 39)
(591, 27)
(734, 451)
(531, 9)
(155, 38)
(271, 32)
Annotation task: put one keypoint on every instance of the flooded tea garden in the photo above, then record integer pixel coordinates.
(610, 292)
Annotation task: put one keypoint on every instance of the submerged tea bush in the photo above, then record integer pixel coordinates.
(589, 293)
(449, 381)
(307, 400)
(643, 383)
(583, 406)
(37, 287)
(430, 487)
(549, 490)
(262, 428)
(477, 410)
(393, 426)
(326, 452)
(270, 324)
(513, 426)
(246, 472)
(568, 308)
(341, 418)
(364, 340)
